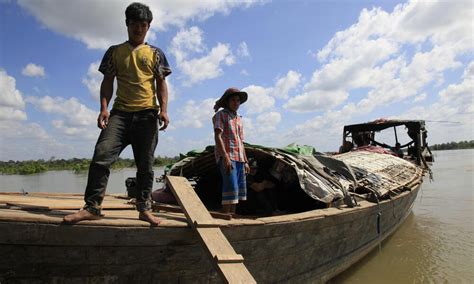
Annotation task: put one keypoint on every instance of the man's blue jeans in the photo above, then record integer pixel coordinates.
(139, 129)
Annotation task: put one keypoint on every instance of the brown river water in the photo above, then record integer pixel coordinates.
(434, 245)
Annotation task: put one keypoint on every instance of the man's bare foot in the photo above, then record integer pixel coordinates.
(147, 216)
(228, 208)
(79, 216)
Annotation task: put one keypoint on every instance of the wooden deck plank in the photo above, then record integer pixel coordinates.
(48, 206)
(51, 200)
(236, 273)
(214, 241)
(114, 218)
(189, 201)
(42, 202)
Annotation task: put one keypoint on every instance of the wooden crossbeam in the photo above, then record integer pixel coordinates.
(228, 263)
(233, 258)
(177, 209)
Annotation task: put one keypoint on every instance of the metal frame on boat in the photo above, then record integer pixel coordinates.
(417, 147)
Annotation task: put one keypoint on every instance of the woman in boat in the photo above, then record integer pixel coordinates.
(229, 150)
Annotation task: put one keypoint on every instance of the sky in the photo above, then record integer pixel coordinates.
(309, 67)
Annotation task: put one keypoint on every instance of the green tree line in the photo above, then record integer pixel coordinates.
(453, 145)
(74, 164)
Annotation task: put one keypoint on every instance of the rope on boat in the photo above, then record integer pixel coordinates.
(379, 214)
(427, 168)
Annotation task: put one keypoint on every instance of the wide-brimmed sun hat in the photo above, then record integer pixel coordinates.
(228, 93)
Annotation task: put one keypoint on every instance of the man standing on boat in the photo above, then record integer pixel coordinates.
(140, 70)
(229, 150)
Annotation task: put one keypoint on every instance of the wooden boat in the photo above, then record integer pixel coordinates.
(301, 246)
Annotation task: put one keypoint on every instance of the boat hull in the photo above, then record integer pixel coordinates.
(307, 247)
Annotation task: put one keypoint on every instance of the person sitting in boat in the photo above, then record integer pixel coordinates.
(229, 150)
(346, 147)
(397, 150)
(362, 139)
(262, 194)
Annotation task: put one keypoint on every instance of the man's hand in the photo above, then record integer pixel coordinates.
(103, 119)
(228, 165)
(165, 119)
(247, 168)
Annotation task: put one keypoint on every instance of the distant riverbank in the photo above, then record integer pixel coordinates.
(453, 145)
(76, 165)
(79, 165)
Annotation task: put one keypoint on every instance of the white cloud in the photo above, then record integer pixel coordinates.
(185, 41)
(267, 122)
(262, 129)
(450, 117)
(330, 85)
(75, 119)
(243, 50)
(100, 24)
(93, 80)
(374, 54)
(317, 100)
(23, 130)
(26, 141)
(172, 90)
(9, 113)
(21, 140)
(75, 112)
(196, 114)
(9, 95)
(410, 79)
(33, 70)
(259, 99)
(460, 95)
(263, 98)
(248, 126)
(12, 104)
(414, 22)
(442, 22)
(208, 66)
(285, 84)
(420, 98)
(348, 70)
(328, 124)
(188, 43)
(323, 131)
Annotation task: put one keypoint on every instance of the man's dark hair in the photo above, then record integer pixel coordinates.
(138, 12)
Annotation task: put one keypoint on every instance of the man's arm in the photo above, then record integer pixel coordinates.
(246, 160)
(162, 95)
(246, 167)
(221, 149)
(106, 92)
